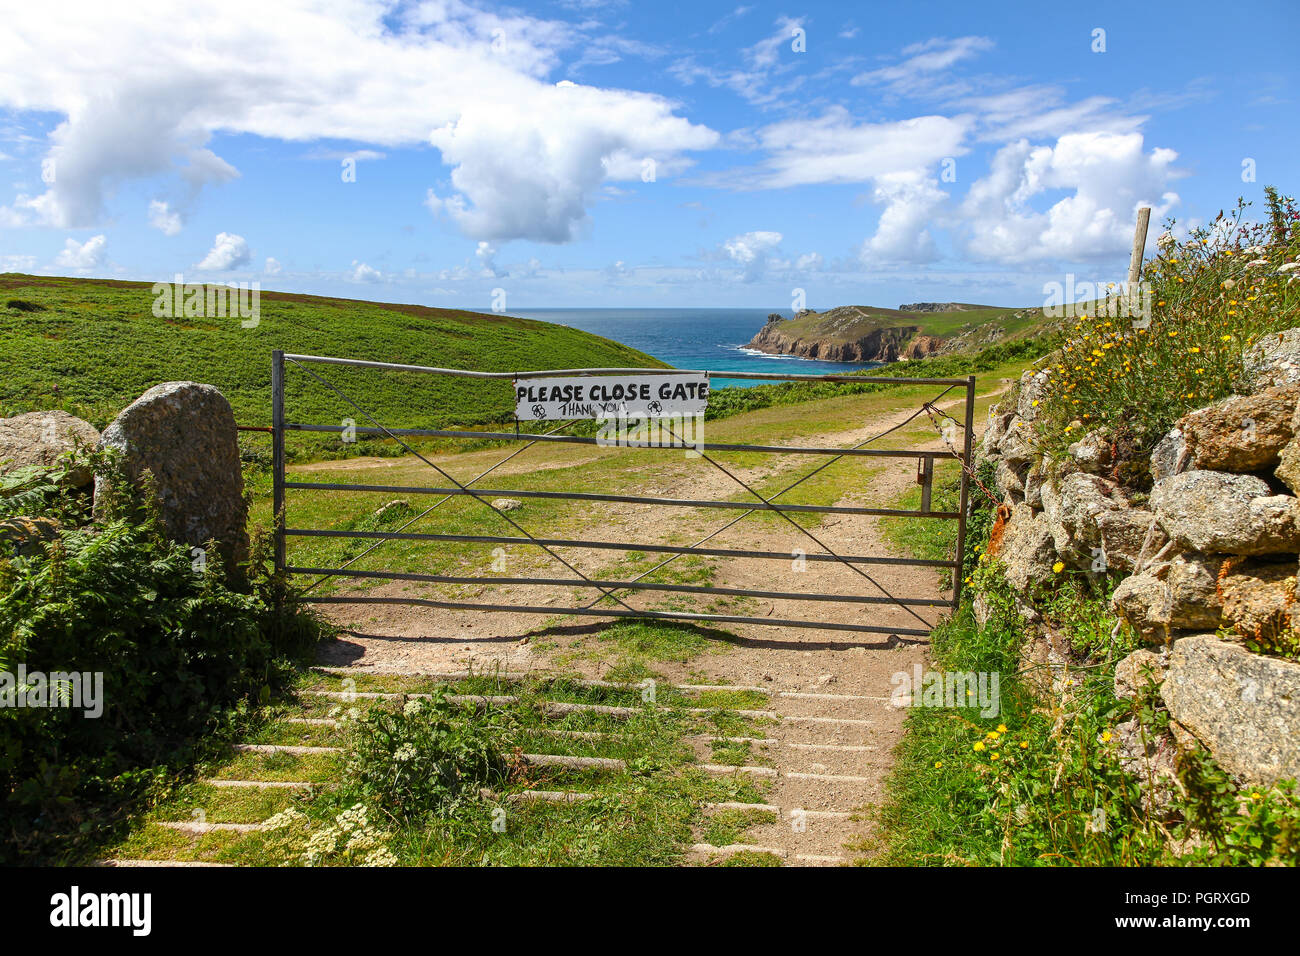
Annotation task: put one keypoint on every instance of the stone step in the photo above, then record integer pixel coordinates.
(731, 849)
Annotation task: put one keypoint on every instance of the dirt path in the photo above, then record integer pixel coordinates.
(828, 755)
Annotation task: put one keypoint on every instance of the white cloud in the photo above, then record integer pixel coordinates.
(486, 253)
(17, 263)
(272, 267)
(1042, 112)
(361, 155)
(766, 52)
(926, 63)
(910, 200)
(364, 273)
(1108, 175)
(228, 251)
(764, 62)
(751, 252)
(527, 155)
(163, 218)
(518, 178)
(82, 255)
(833, 148)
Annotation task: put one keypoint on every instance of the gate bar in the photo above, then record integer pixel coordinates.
(277, 455)
(581, 440)
(547, 373)
(635, 585)
(615, 612)
(627, 499)
(619, 546)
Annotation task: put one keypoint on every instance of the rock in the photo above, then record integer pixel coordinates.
(1015, 447)
(507, 504)
(1152, 759)
(1136, 671)
(1170, 456)
(1092, 453)
(1273, 360)
(994, 432)
(1194, 598)
(1214, 512)
(184, 434)
(1096, 527)
(1044, 658)
(1027, 551)
(1244, 707)
(1033, 387)
(39, 438)
(1034, 480)
(1242, 433)
(28, 536)
(1288, 465)
(1008, 481)
(1143, 601)
(1257, 597)
(1179, 595)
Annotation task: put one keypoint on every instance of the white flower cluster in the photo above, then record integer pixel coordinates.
(350, 839)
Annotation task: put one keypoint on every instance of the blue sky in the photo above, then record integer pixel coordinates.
(585, 153)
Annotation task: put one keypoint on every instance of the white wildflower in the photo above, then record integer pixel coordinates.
(285, 819)
(380, 857)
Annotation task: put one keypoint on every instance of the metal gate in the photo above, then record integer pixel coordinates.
(875, 593)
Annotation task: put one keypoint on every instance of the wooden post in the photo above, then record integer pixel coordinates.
(1139, 246)
(966, 466)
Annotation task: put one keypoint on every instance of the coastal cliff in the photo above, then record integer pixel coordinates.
(846, 334)
(878, 345)
(857, 333)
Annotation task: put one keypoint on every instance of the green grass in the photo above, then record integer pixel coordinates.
(1041, 783)
(645, 815)
(633, 646)
(95, 346)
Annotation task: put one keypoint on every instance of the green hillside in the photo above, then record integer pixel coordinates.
(850, 323)
(92, 346)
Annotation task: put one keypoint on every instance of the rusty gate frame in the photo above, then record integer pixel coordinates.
(925, 477)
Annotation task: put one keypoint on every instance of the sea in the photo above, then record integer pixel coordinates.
(713, 339)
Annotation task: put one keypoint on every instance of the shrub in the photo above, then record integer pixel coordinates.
(178, 649)
(1214, 294)
(429, 759)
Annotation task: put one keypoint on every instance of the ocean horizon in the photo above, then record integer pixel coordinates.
(713, 339)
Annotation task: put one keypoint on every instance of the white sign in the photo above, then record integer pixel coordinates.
(618, 396)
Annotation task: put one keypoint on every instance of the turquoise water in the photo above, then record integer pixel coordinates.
(712, 339)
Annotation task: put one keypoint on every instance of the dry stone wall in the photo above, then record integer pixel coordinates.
(1207, 559)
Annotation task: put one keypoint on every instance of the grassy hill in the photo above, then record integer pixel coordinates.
(873, 333)
(851, 322)
(92, 346)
